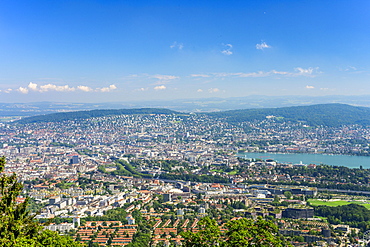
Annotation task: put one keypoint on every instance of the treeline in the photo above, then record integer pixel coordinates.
(334, 177)
(115, 214)
(124, 169)
(77, 115)
(350, 188)
(354, 215)
(331, 115)
(195, 178)
(62, 144)
(239, 232)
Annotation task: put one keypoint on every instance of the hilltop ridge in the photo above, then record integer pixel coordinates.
(76, 115)
(322, 114)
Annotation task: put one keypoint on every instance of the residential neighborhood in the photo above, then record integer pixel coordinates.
(162, 173)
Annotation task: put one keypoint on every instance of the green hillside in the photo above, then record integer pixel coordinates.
(323, 114)
(331, 115)
(65, 116)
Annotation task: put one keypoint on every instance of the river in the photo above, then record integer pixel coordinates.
(334, 160)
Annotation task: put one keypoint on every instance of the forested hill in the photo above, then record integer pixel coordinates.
(63, 116)
(324, 114)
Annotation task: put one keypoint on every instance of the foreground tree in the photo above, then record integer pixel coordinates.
(208, 235)
(17, 226)
(248, 232)
(240, 233)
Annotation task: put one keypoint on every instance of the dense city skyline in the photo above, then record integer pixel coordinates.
(105, 51)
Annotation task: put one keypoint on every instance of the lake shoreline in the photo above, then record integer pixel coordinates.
(351, 161)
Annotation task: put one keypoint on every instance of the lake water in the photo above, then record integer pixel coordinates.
(334, 160)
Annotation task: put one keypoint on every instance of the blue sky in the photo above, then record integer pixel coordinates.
(103, 51)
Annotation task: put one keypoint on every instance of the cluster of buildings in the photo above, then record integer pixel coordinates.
(286, 137)
(61, 165)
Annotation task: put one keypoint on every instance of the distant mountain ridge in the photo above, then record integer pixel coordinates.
(331, 115)
(198, 105)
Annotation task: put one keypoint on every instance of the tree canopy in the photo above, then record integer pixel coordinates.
(240, 232)
(66, 116)
(332, 115)
(17, 226)
(208, 235)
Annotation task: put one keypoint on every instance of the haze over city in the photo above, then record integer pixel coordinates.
(110, 51)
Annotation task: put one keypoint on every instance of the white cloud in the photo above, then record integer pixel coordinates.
(262, 46)
(310, 87)
(297, 72)
(52, 87)
(65, 88)
(9, 90)
(23, 90)
(162, 87)
(177, 45)
(165, 77)
(213, 90)
(302, 71)
(32, 86)
(254, 74)
(200, 90)
(155, 79)
(107, 89)
(279, 72)
(84, 88)
(349, 68)
(227, 51)
(324, 89)
(199, 75)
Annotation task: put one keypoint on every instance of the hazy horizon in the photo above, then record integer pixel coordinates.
(181, 105)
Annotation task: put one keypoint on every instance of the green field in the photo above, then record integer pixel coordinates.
(315, 202)
(233, 172)
(221, 171)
